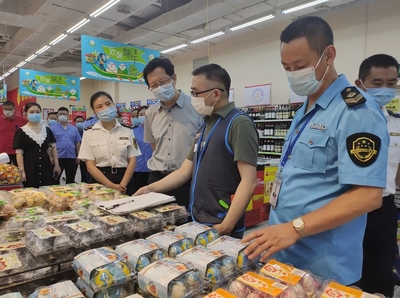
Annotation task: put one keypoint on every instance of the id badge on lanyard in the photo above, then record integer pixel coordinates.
(276, 187)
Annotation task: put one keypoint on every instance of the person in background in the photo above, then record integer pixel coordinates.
(378, 77)
(82, 165)
(31, 143)
(52, 118)
(222, 160)
(135, 113)
(9, 124)
(135, 121)
(89, 122)
(108, 148)
(142, 172)
(333, 167)
(119, 117)
(170, 125)
(68, 143)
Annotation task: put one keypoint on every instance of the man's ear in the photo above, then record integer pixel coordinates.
(359, 85)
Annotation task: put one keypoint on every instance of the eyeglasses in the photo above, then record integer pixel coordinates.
(162, 83)
(195, 94)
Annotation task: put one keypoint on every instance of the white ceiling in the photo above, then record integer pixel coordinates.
(25, 26)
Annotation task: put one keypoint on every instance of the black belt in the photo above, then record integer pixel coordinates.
(106, 170)
(166, 173)
(387, 199)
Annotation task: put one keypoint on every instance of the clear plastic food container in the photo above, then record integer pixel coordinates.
(172, 214)
(119, 291)
(331, 289)
(172, 242)
(22, 198)
(61, 289)
(114, 226)
(62, 200)
(199, 233)
(84, 234)
(103, 194)
(146, 223)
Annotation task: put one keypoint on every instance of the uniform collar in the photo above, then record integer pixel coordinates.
(99, 126)
(385, 113)
(224, 111)
(179, 102)
(338, 85)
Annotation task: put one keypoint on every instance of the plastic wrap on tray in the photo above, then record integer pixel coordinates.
(84, 204)
(235, 248)
(94, 213)
(85, 188)
(16, 227)
(331, 289)
(219, 293)
(103, 194)
(305, 284)
(25, 257)
(169, 278)
(57, 220)
(252, 285)
(119, 291)
(61, 289)
(6, 208)
(114, 226)
(146, 223)
(212, 265)
(141, 253)
(22, 198)
(172, 242)
(62, 200)
(9, 175)
(84, 234)
(172, 213)
(12, 295)
(55, 188)
(102, 268)
(199, 233)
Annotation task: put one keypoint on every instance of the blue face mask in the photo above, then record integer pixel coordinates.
(35, 117)
(141, 119)
(52, 122)
(382, 95)
(135, 122)
(108, 114)
(79, 125)
(164, 93)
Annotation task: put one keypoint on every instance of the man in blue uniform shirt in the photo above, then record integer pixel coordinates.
(333, 167)
(89, 122)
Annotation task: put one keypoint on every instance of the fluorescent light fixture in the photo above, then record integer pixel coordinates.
(22, 63)
(31, 57)
(174, 48)
(6, 74)
(78, 25)
(104, 8)
(12, 70)
(58, 39)
(45, 48)
(208, 37)
(296, 8)
(82, 78)
(271, 16)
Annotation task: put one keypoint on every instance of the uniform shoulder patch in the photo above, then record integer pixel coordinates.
(135, 144)
(363, 148)
(352, 96)
(87, 128)
(391, 113)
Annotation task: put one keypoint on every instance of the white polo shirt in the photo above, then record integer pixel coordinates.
(109, 148)
(393, 125)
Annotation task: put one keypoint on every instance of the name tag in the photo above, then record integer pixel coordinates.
(317, 126)
(123, 138)
(394, 134)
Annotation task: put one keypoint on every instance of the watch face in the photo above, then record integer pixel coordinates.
(298, 223)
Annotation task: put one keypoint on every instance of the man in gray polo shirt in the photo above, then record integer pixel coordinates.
(170, 125)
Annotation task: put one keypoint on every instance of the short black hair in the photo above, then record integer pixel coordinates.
(52, 113)
(63, 109)
(379, 60)
(9, 103)
(316, 31)
(142, 108)
(79, 117)
(32, 104)
(214, 72)
(97, 95)
(164, 63)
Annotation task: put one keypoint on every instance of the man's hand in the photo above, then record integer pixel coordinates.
(77, 161)
(270, 240)
(222, 229)
(143, 190)
(119, 188)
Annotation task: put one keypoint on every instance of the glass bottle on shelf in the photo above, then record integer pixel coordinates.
(272, 130)
(273, 146)
(264, 147)
(265, 130)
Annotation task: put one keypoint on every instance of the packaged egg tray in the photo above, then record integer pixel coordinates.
(251, 285)
(15, 229)
(22, 198)
(114, 226)
(94, 214)
(146, 223)
(235, 248)
(172, 242)
(103, 194)
(212, 265)
(140, 253)
(332, 289)
(102, 268)
(57, 220)
(84, 204)
(62, 200)
(169, 278)
(85, 188)
(11, 264)
(200, 234)
(12, 295)
(61, 289)
(9, 175)
(304, 283)
(84, 234)
(119, 291)
(172, 214)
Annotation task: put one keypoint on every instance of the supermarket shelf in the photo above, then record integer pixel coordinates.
(274, 120)
(272, 137)
(269, 153)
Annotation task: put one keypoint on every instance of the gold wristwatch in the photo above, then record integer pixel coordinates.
(299, 226)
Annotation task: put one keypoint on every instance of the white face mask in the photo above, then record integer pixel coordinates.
(303, 82)
(8, 113)
(63, 118)
(199, 105)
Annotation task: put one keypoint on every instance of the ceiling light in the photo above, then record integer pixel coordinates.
(45, 48)
(33, 56)
(12, 69)
(6, 74)
(296, 8)
(82, 78)
(271, 16)
(104, 8)
(22, 63)
(174, 48)
(58, 39)
(78, 25)
(208, 37)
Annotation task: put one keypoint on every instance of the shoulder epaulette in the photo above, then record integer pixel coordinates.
(391, 113)
(90, 118)
(87, 128)
(352, 96)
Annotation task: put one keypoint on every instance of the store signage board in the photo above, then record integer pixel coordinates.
(121, 105)
(3, 92)
(77, 111)
(151, 102)
(104, 59)
(50, 85)
(135, 105)
(257, 95)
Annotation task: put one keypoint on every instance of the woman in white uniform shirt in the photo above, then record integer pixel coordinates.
(108, 148)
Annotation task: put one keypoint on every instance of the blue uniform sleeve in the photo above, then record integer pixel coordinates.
(78, 138)
(363, 140)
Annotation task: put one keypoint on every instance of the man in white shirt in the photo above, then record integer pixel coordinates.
(378, 77)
